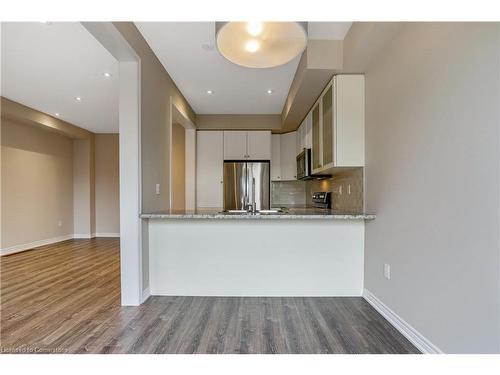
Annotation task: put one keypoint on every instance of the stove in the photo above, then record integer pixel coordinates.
(322, 199)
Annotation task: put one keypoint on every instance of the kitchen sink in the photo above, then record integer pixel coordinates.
(272, 211)
(241, 212)
(261, 212)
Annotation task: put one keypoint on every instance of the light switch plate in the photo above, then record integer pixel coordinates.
(157, 189)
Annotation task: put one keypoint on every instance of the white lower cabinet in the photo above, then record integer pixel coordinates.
(209, 169)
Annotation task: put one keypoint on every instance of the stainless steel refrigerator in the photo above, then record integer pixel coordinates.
(245, 184)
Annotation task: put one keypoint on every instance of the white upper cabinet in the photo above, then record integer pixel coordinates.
(338, 123)
(350, 120)
(209, 169)
(288, 156)
(235, 145)
(242, 145)
(259, 145)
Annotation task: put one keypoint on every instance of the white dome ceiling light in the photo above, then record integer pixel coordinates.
(261, 44)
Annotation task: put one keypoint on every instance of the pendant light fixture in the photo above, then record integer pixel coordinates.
(261, 44)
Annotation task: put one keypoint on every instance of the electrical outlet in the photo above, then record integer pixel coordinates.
(387, 271)
(157, 189)
(59, 223)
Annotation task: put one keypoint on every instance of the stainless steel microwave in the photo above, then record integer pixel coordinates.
(304, 171)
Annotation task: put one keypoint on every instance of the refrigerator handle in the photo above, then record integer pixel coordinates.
(245, 204)
(253, 195)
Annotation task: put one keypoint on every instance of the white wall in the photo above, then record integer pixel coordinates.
(134, 270)
(432, 156)
(132, 247)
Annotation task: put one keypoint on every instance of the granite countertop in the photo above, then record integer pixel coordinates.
(290, 213)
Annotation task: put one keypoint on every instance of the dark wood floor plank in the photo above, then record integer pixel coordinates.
(65, 297)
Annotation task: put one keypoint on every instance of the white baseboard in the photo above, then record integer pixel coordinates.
(48, 241)
(145, 295)
(31, 245)
(83, 236)
(93, 235)
(106, 234)
(415, 337)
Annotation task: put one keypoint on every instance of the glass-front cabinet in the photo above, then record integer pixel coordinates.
(338, 125)
(327, 122)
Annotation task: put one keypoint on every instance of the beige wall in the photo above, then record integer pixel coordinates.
(49, 175)
(157, 90)
(20, 113)
(318, 63)
(178, 167)
(432, 178)
(339, 186)
(37, 184)
(107, 184)
(83, 187)
(241, 122)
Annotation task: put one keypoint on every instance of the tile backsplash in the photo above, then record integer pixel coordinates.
(346, 188)
(288, 193)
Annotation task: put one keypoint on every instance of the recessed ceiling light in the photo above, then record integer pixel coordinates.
(210, 92)
(78, 99)
(108, 75)
(254, 28)
(252, 46)
(269, 92)
(56, 114)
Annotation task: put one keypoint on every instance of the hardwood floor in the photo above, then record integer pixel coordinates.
(65, 298)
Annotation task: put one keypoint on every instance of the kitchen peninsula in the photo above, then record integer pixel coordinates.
(304, 252)
(236, 244)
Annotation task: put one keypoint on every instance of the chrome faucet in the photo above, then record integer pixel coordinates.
(251, 207)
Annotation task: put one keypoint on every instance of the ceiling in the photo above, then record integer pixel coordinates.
(47, 65)
(187, 51)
